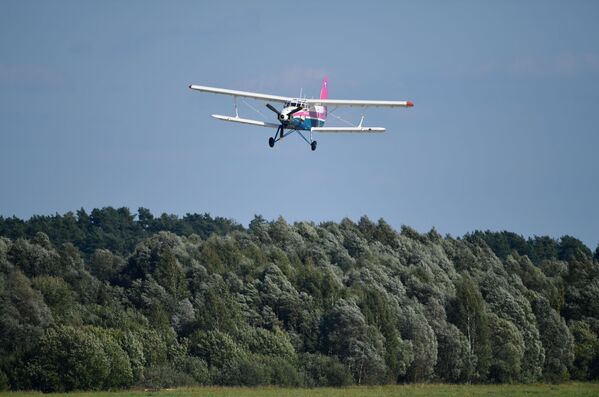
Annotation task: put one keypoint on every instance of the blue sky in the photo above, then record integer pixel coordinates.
(95, 111)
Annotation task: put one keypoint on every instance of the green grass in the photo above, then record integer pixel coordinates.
(417, 390)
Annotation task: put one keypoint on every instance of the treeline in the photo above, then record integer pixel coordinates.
(113, 299)
(117, 230)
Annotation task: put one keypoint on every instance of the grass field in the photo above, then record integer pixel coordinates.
(419, 390)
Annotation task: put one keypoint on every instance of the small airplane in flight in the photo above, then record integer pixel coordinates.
(301, 114)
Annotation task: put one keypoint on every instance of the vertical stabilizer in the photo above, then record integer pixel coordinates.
(324, 94)
(324, 89)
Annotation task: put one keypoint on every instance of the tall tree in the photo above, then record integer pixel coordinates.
(472, 319)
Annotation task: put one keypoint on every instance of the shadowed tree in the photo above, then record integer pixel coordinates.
(586, 349)
(346, 335)
(471, 318)
(508, 351)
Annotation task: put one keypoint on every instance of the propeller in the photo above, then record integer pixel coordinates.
(268, 105)
(281, 116)
(297, 109)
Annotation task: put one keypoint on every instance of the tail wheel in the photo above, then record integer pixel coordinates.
(313, 145)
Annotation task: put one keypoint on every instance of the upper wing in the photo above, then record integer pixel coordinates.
(245, 94)
(359, 103)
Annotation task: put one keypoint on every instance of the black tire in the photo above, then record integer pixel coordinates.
(313, 145)
(271, 141)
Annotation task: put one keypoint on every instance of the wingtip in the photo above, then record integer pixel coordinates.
(410, 104)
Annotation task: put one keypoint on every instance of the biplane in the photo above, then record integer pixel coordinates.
(300, 115)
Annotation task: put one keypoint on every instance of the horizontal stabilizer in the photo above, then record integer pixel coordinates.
(245, 121)
(365, 130)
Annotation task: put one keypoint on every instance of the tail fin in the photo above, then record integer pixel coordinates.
(324, 89)
(324, 94)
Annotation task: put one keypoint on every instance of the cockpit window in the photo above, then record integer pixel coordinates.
(296, 104)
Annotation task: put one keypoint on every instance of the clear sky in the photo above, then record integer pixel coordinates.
(95, 111)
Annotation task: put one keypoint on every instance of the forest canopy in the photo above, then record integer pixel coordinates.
(114, 299)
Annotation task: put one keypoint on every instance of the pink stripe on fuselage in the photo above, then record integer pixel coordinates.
(312, 115)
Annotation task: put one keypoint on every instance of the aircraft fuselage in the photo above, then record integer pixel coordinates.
(306, 118)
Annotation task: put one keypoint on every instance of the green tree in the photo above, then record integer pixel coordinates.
(508, 350)
(509, 303)
(69, 359)
(346, 335)
(24, 317)
(570, 247)
(105, 265)
(556, 338)
(586, 349)
(324, 370)
(33, 259)
(472, 319)
(416, 329)
(4, 383)
(169, 274)
(120, 373)
(57, 295)
(267, 343)
(217, 348)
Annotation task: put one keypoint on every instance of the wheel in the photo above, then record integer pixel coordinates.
(271, 141)
(313, 145)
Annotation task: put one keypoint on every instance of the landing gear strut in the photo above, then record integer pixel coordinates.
(280, 134)
(272, 140)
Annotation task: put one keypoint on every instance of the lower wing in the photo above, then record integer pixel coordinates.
(245, 121)
(366, 130)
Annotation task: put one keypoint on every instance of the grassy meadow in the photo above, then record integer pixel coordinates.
(416, 390)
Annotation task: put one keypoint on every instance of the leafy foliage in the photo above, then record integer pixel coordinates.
(113, 299)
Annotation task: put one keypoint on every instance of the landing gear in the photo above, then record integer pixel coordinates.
(280, 134)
